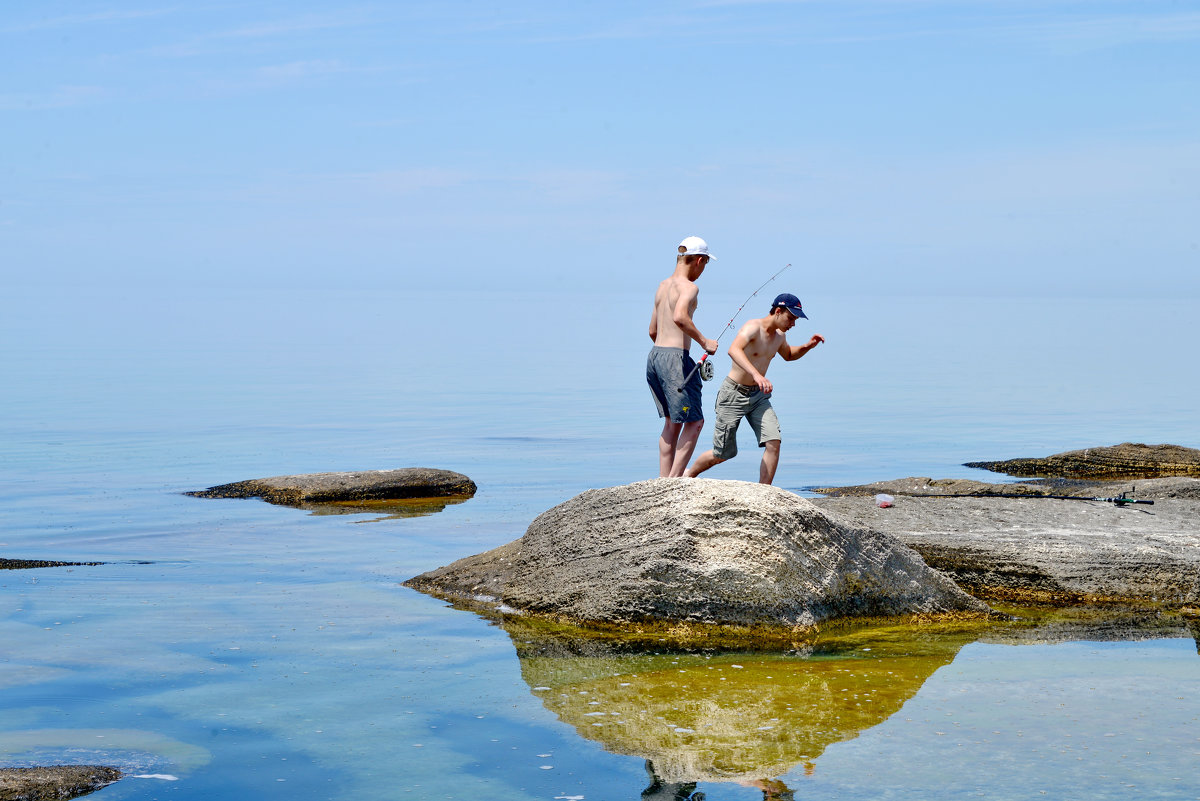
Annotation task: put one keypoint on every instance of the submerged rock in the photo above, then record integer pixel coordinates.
(54, 783)
(701, 551)
(716, 715)
(730, 716)
(310, 488)
(1127, 460)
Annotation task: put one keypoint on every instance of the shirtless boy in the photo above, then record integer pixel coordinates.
(746, 392)
(669, 362)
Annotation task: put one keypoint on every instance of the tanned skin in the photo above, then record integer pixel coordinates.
(756, 344)
(671, 326)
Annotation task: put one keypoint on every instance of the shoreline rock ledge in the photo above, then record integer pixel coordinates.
(1129, 460)
(367, 485)
(57, 782)
(704, 551)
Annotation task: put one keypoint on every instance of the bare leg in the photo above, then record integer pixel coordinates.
(770, 461)
(684, 447)
(705, 461)
(666, 447)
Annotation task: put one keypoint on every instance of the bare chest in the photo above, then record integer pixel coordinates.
(764, 347)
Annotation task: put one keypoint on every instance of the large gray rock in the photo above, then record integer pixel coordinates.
(404, 482)
(703, 551)
(1046, 550)
(1125, 461)
(54, 783)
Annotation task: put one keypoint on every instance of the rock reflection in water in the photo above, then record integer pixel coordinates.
(387, 509)
(727, 717)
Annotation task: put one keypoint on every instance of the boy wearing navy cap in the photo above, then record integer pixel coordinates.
(746, 392)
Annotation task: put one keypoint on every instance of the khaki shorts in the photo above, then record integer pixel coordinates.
(735, 401)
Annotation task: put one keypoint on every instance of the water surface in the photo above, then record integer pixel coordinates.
(256, 651)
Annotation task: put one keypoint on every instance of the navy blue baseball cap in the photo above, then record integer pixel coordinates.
(791, 303)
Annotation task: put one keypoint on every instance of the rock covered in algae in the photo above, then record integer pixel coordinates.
(701, 551)
(1128, 461)
(399, 483)
(54, 783)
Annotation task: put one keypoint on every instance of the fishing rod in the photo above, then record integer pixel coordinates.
(704, 366)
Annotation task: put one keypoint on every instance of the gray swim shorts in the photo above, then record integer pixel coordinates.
(735, 401)
(665, 371)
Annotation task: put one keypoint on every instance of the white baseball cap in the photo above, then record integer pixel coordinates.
(695, 246)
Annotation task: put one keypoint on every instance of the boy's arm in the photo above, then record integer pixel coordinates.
(737, 352)
(682, 314)
(654, 324)
(792, 352)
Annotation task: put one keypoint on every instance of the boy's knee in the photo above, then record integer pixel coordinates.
(772, 445)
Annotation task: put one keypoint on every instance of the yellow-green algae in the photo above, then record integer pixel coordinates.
(735, 716)
(739, 711)
(698, 711)
(692, 634)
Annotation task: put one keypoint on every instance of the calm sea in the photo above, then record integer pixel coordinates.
(233, 649)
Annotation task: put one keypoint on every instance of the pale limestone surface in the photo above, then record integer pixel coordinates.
(699, 550)
(1062, 551)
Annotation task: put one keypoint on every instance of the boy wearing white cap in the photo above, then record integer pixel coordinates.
(669, 366)
(746, 392)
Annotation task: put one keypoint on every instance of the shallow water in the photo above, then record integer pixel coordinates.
(258, 651)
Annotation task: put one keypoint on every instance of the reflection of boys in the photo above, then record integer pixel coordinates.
(746, 392)
(668, 791)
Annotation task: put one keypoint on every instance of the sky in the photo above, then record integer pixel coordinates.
(921, 147)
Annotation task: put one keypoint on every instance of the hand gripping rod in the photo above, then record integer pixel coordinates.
(703, 358)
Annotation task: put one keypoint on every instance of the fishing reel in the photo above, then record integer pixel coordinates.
(706, 370)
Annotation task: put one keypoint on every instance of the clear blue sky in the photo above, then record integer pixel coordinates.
(930, 147)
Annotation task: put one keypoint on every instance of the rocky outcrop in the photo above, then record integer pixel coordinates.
(54, 783)
(1125, 461)
(400, 483)
(700, 551)
(1048, 550)
(22, 564)
(1148, 489)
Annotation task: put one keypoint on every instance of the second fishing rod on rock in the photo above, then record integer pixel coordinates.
(704, 365)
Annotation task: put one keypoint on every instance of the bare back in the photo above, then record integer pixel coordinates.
(674, 295)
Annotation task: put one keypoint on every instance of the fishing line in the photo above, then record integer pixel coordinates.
(704, 366)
